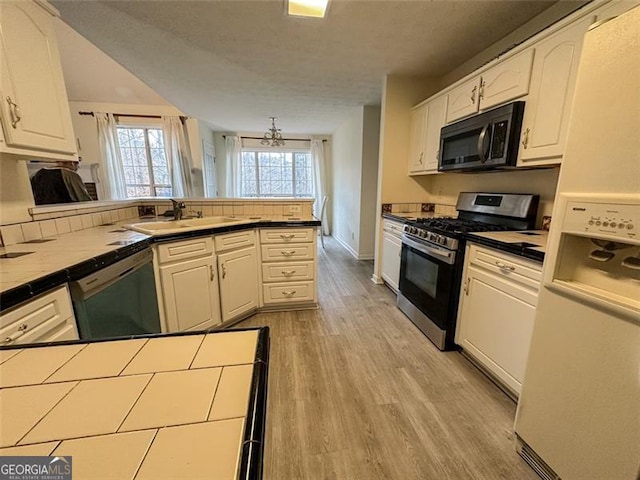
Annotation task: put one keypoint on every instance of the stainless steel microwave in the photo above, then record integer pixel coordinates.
(485, 141)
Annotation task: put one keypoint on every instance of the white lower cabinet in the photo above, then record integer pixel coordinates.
(187, 284)
(497, 311)
(238, 271)
(47, 318)
(288, 269)
(208, 281)
(391, 249)
(190, 291)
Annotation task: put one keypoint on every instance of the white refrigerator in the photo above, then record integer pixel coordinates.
(578, 415)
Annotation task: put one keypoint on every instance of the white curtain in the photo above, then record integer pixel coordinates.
(317, 155)
(178, 155)
(115, 188)
(233, 146)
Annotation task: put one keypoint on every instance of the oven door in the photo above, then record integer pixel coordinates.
(427, 274)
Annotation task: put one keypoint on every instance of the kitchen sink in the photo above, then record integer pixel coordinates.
(168, 227)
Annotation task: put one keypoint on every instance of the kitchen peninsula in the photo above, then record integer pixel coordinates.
(127, 409)
(36, 265)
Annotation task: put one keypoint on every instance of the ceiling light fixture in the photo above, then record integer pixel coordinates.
(307, 8)
(272, 137)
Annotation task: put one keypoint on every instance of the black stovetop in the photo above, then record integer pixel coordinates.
(451, 225)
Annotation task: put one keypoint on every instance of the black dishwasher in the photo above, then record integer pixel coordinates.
(118, 300)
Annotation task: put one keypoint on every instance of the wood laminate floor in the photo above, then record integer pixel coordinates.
(357, 392)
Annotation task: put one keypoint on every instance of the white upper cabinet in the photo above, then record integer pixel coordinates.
(464, 100)
(416, 138)
(426, 122)
(548, 108)
(34, 108)
(435, 121)
(506, 81)
(499, 84)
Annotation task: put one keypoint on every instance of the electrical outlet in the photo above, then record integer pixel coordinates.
(294, 208)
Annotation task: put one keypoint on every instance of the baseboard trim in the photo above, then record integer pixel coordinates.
(376, 279)
(347, 247)
(356, 255)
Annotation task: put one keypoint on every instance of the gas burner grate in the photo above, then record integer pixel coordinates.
(457, 225)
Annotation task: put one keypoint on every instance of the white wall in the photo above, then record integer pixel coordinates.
(399, 94)
(446, 187)
(347, 172)
(368, 203)
(355, 172)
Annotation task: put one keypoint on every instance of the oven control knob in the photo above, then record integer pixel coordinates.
(422, 233)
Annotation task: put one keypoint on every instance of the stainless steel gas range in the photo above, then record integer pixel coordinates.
(432, 257)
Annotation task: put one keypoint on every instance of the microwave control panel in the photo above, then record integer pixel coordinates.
(499, 139)
(607, 219)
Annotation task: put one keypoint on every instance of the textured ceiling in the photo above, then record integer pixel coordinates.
(236, 63)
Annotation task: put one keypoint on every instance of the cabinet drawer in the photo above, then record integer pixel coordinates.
(288, 271)
(29, 322)
(291, 292)
(229, 241)
(304, 251)
(515, 268)
(393, 228)
(198, 247)
(287, 235)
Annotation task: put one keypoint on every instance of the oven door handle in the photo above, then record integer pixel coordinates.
(443, 254)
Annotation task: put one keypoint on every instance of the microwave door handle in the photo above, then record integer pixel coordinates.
(481, 141)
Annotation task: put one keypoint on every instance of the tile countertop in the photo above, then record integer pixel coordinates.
(530, 244)
(127, 409)
(409, 217)
(77, 254)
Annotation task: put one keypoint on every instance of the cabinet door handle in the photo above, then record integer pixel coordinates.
(504, 266)
(287, 236)
(288, 273)
(14, 110)
(438, 155)
(211, 274)
(525, 138)
(466, 287)
(287, 253)
(420, 158)
(473, 94)
(481, 92)
(224, 271)
(22, 329)
(289, 293)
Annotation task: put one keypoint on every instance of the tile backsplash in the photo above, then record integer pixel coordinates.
(437, 209)
(38, 229)
(50, 222)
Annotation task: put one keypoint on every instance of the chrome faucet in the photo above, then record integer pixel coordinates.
(178, 207)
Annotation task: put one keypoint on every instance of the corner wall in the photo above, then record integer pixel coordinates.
(370, 155)
(346, 191)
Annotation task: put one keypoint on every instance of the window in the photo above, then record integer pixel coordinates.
(276, 174)
(146, 170)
